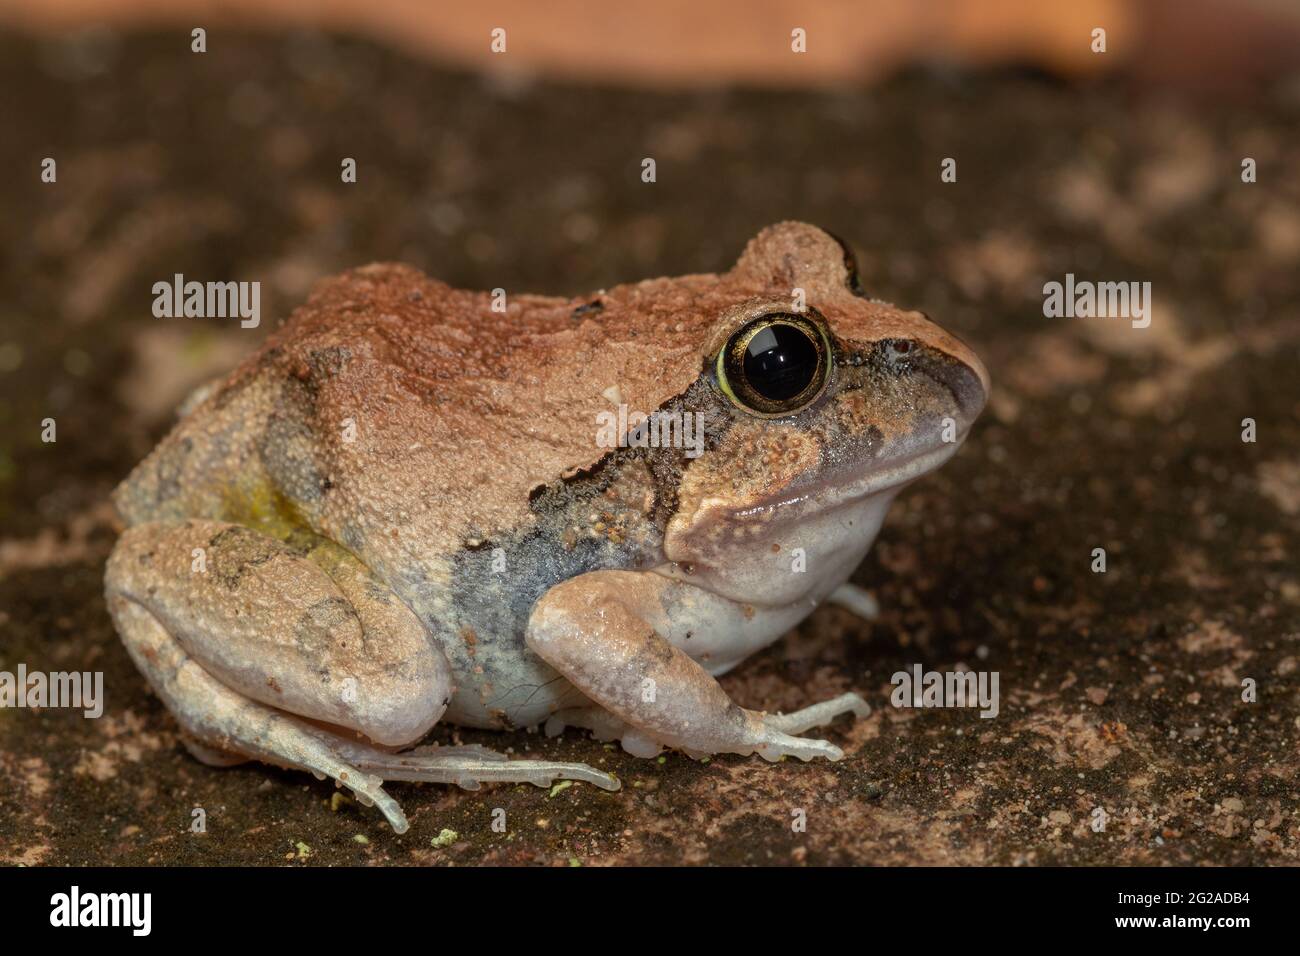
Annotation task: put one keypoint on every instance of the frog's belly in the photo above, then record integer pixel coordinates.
(504, 685)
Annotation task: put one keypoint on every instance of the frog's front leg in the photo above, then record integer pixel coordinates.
(603, 632)
(287, 652)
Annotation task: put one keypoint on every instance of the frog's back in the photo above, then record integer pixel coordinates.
(363, 347)
(401, 417)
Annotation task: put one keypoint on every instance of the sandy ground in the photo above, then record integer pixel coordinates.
(1120, 691)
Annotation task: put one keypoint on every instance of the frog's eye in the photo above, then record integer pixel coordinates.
(776, 364)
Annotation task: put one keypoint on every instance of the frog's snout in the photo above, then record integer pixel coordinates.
(961, 375)
(968, 382)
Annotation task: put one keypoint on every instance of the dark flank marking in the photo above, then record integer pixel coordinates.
(494, 605)
(590, 308)
(236, 550)
(287, 443)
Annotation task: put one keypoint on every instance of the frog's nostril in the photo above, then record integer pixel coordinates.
(898, 350)
(897, 354)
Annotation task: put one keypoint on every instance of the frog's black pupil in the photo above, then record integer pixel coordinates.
(780, 362)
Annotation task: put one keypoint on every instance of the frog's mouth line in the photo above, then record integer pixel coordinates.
(893, 474)
(888, 476)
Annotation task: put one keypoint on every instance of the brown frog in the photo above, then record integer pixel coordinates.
(407, 507)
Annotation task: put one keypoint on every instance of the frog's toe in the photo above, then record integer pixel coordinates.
(640, 745)
(470, 767)
(780, 745)
(782, 730)
(212, 756)
(457, 750)
(818, 715)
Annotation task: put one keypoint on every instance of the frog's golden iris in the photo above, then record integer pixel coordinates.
(775, 365)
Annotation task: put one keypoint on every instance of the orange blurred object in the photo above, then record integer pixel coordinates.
(688, 43)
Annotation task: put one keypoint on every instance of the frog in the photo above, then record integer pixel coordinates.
(405, 509)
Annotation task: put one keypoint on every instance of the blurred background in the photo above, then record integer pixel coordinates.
(522, 170)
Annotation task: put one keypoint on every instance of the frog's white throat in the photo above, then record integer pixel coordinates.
(795, 550)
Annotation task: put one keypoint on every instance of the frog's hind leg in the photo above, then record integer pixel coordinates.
(222, 727)
(217, 721)
(252, 641)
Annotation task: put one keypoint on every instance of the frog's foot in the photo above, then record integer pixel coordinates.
(785, 728)
(856, 600)
(470, 766)
(603, 725)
